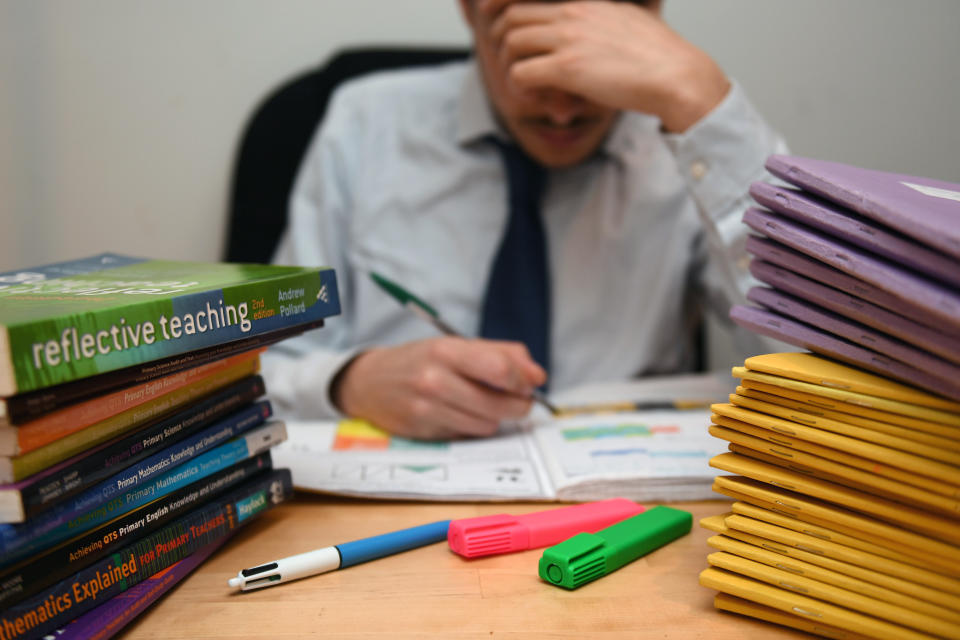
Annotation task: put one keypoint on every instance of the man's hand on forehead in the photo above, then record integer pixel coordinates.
(616, 54)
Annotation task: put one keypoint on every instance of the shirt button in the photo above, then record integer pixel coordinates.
(698, 169)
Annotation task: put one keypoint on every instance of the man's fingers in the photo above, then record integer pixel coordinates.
(494, 10)
(459, 424)
(535, 375)
(529, 41)
(544, 71)
(520, 15)
(485, 402)
(479, 360)
(421, 431)
(491, 8)
(439, 388)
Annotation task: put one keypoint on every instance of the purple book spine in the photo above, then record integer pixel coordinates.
(113, 615)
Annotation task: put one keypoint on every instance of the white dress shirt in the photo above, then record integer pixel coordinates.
(399, 179)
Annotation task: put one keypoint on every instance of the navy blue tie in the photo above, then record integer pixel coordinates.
(516, 305)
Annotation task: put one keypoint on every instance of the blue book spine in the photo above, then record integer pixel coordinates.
(48, 567)
(20, 540)
(55, 485)
(140, 473)
(116, 573)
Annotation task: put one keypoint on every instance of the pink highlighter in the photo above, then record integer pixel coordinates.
(503, 533)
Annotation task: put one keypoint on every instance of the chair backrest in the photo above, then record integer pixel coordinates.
(276, 138)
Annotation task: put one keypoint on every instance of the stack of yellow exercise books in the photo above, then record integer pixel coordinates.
(847, 515)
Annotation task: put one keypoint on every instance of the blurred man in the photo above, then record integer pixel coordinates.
(572, 194)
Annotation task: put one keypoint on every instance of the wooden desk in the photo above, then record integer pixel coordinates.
(433, 593)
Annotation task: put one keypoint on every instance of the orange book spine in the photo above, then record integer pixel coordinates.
(53, 426)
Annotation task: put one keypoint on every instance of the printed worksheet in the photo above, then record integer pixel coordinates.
(659, 454)
(352, 457)
(643, 455)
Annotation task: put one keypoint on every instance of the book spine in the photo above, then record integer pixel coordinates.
(178, 453)
(44, 569)
(20, 540)
(104, 338)
(105, 579)
(27, 406)
(59, 450)
(72, 476)
(108, 619)
(58, 424)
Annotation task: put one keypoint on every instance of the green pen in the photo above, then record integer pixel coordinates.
(428, 313)
(588, 556)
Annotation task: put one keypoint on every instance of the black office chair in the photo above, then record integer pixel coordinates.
(276, 138)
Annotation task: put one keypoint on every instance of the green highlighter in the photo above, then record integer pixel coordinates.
(588, 556)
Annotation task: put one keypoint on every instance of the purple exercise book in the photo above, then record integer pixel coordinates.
(782, 256)
(922, 336)
(796, 333)
(840, 327)
(937, 299)
(847, 225)
(925, 209)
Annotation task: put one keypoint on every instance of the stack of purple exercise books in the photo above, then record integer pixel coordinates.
(861, 266)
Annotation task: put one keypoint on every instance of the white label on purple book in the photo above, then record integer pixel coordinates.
(935, 192)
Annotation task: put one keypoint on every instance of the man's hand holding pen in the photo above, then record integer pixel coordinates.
(440, 388)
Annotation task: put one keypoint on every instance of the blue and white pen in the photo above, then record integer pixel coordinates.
(339, 556)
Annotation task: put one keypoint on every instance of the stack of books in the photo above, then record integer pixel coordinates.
(862, 266)
(133, 437)
(846, 460)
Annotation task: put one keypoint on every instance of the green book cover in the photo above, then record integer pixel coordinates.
(77, 319)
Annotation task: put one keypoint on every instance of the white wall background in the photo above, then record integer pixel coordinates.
(119, 118)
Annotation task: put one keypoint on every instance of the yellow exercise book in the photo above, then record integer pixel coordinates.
(766, 512)
(843, 521)
(875, 436)
(823, 469)
(847, 408)
(826, 469)
(942, 435)
(843, 597)
(810, 608)
(855, 539)
(943, 528)
(786, 446)
(733, 604)
(795, 567)
(926, 414)
(897, 583)
(825, 372)
(886, 455)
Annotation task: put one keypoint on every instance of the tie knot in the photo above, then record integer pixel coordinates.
(526, 177)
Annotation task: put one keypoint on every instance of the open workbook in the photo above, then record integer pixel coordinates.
(645, 455)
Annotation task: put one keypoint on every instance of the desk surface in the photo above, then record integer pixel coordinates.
(432, 593)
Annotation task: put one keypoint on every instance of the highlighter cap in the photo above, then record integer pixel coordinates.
(588, 556)
(487, 535)
(502, 533)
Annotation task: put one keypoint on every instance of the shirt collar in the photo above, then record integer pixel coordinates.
(475, 115)
(477, 120)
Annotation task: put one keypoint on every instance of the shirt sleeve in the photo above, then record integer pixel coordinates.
(719, 157)
(298, 371)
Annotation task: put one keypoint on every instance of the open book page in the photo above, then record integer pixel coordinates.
(655, 455)
(643, 455)
(646, 456)
(353, 458)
